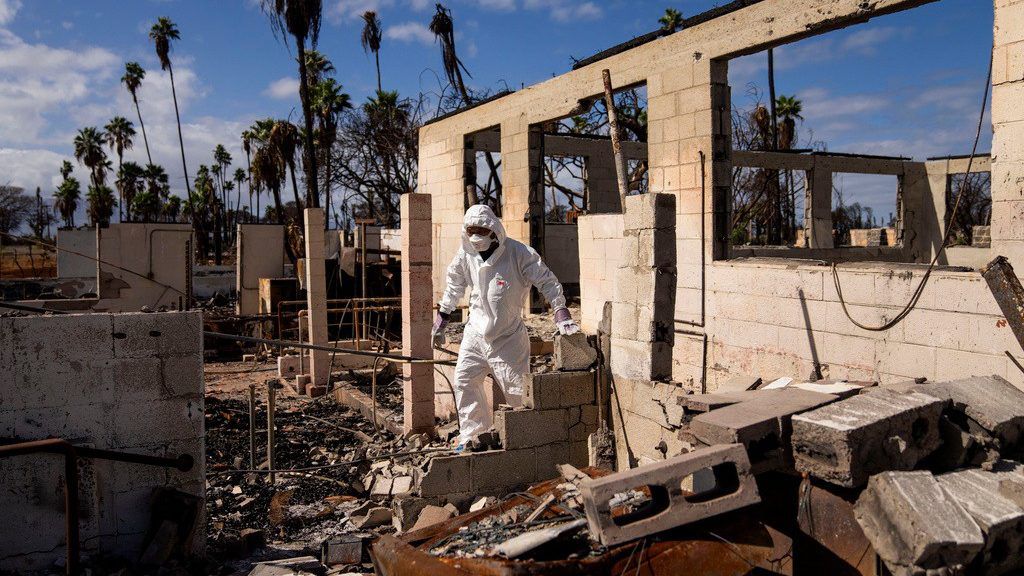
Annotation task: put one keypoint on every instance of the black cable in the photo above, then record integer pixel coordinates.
(916, 296)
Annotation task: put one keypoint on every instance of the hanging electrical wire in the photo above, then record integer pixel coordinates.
(916, 296)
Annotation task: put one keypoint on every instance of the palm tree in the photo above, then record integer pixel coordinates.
(329, 101)
(788, 109)
(171, 209)
(240, 176)
(444, 29)
(267, 168)
(66, 198)
(301, 19)
(89, 152)
(318, 66)
(65, 169)
(247, 139)
(370, 39)
(101, 202)
(156, 181)
(132, 80)
(119, 138)
(672, 20)
(162, 33)
(285, 140)
(146, 206)
(129, 184)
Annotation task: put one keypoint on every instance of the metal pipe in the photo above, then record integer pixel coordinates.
(252, 425)
(271, 404)
(613, 129)
(71, 455)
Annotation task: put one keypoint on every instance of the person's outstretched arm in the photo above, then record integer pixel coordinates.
(538, 273)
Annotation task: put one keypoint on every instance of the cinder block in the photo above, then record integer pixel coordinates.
(1001, 520)
(145, 335)
(701, 403)
(734, 488)
(551, 390)
(641, 360)
(762, 425)
(649, 211)
(989, 401)
(574, 352)
(550, 456)
(846, 442)
(523, 428)
(503, 470)
(915, 525)
(287, 366)
(446, 474)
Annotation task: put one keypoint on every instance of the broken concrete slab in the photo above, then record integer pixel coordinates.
(841, 389)
(375, 518)
(1000, 519)
(574, 352)
(405, 511)
(701, 403)
(846, 442)
(431, 515)
(990, 401)
(300, 566)
(1013, 490)
(914, 524)
(734, 488)
(761, 424)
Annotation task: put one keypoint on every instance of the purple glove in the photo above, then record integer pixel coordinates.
(437, 331)
(566, 325)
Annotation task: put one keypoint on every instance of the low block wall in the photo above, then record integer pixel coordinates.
(127, 382)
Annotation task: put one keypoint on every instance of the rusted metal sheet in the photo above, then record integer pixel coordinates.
(730, 544)
(829, 534)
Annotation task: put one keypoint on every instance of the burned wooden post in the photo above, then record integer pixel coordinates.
(1008, 292)
(613, 129)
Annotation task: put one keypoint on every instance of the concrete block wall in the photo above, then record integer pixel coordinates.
(554, 430)
(1008, 132)
(600, 250)
(417, 313)
(260, 255)
(129, 382)
(156, 253)
(82, 241)
(753, 312)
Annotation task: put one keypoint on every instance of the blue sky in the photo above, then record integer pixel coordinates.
(903, 84)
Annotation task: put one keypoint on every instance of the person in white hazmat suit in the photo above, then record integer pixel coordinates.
(499, 273)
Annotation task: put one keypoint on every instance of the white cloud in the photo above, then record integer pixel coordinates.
(868, 40)
(352, 9)
(419, 5)
(410, 32)
(286, 88)
(499, 5)
(8, 8)
(566, 10)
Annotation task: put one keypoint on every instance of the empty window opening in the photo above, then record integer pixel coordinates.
(482, 179)
(565, 188)
(864, 210)
(974, 214)
(789, 191)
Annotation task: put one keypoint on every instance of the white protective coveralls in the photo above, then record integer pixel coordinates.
(494, 339)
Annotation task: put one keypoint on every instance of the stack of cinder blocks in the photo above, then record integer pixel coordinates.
(645, 287)
(417, 313)
(559, 413)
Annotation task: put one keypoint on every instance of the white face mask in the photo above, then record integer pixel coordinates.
(479, 242)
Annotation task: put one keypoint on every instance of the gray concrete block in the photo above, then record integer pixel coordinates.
(734, 488)
(574, 352)
(524, 428)
(991, 401)
(846, 442)
(650, 211)
(503, 471)
(446, 474)
(761, 424)
(1000, 519)
(550, 390)
(915, 524)
(143, 335)
(550, 456)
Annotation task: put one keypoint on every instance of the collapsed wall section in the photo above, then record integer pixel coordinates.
(125, 382)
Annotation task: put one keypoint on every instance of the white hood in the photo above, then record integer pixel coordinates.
(481, 215)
